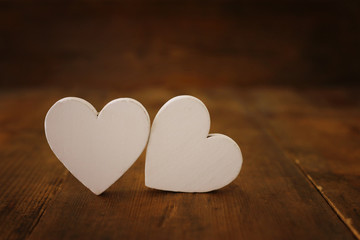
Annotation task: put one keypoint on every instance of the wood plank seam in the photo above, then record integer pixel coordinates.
(345, 220)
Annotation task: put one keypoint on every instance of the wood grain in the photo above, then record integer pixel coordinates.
(270, 199)
(319, 130)
(293, 185)
(30, 175)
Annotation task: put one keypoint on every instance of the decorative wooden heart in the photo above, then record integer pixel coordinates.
(182, 157)
(97, 148)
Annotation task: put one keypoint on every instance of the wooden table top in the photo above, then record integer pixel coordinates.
(300, 177)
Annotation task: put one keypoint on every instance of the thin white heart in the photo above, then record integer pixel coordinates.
(97, 148)
(182, 157)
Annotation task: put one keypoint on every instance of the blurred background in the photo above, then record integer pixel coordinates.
(179, 44)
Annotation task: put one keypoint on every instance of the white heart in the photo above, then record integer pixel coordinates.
(182, 157)
(97, 148)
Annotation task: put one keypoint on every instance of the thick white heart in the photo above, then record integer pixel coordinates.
(182, 157)
(97, 148)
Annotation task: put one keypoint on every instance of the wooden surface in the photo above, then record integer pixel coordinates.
(300, 178)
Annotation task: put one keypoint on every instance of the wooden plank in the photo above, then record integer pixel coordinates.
(319, 130)
(271, 199)
(30, 176)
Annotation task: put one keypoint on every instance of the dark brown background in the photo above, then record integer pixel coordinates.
(279, 77)
(121, 44)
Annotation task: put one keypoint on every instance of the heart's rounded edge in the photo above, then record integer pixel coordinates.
(66, 99)
(63, 100)
(240, 157)
(131, 100)
(239, 166)
(178, 98)
(169, 102)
